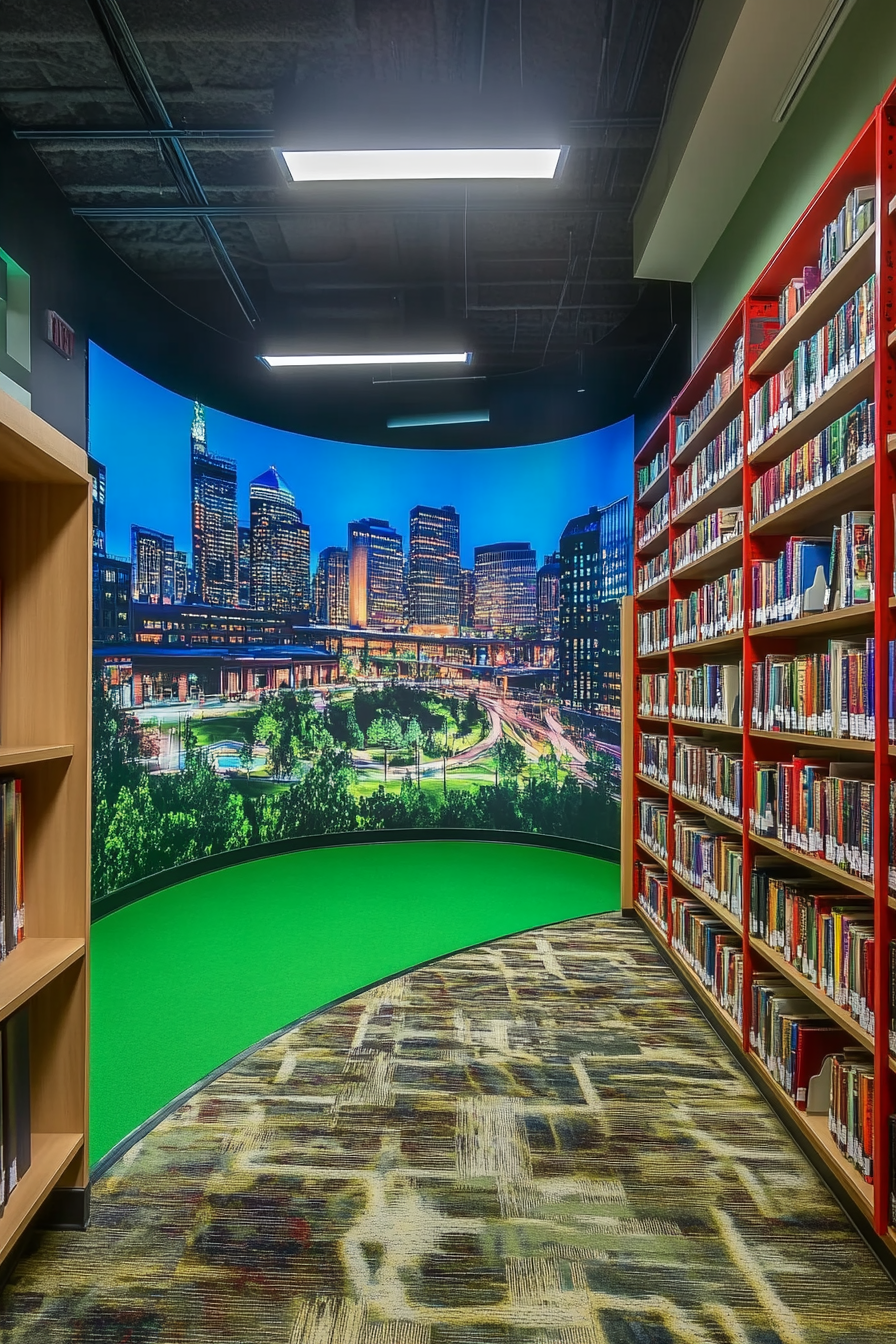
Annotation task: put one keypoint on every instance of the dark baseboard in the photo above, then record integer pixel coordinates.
(66, 1209)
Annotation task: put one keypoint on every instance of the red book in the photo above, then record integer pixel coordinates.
(814, 1042)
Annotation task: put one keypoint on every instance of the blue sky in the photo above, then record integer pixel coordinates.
(141, 432)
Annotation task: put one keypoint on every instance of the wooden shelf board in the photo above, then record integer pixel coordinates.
(50, 1155)
(815, 865)
(654, 718)
(656, 489)
(725, 493)
(713, 906)
(726, 411)
(713, 563)
(705, 645)
(817, 996)
(33, 453)
(728, 822)
(845, 394)
(653, 783)
(655, 545)
(709, 727)
(719, 1014)
(818, 623)
(812, 740)
(891, 901)
(33, 964)
(12, 757)
(661, 656)
(825, 502)
(892, 1062)
(891, 438)
(891, 339)
(649, 852)
(842, 282)
(656, 591)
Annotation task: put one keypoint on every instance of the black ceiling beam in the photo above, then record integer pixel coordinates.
(139, 83)
(292, 209)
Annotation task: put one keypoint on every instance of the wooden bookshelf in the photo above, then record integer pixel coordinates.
(45, 595)
(867, 485)
(723, 494)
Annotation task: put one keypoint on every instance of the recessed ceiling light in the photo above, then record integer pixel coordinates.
(390, 165)
(320, 361)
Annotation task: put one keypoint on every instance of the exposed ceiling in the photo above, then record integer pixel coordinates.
(538, 271)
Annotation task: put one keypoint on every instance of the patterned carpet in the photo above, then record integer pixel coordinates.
(537, 1142)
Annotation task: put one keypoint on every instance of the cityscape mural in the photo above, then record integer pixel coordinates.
(295, 637)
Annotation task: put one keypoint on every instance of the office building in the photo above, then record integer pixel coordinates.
(467, 601)
(505, 602)
(548, 579)
(595, 569)
(152, 563)
(244, 563)
(433, 577)
(280, 545)
(331, 586)
(376, 575)
(215, 537)
(97, 472)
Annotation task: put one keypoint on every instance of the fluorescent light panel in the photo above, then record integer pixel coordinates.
(320, 361)
(379, 165)
(445, 418)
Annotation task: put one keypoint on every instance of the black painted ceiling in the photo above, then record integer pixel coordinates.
(538, 271)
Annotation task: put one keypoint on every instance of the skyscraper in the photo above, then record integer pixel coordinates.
(181, 577)
(97, 473)
(595, 566)
(112, 578)
(549, 597)
(280, 546)
(505, 589)
(152, 565)
(434, 568)
(244, 563)
(467, 601)
(376, 575)
(331, 586)
(215, 544)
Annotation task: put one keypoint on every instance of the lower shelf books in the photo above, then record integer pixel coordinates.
(711, 861)
(653, 630)
(790, 1034)
(654, 697)
(815, 574)
(652, 571)
(828, 939)
(712, 950)
(655, 757)
(817, 807)
(15, 1103)
(716, 608)
(851, 1112)
(823, 694)
(708, 694)
(653, 895)
(654, 816)
(706, 536)
(12, 889)
(655, 521)
(709, 775)
(843, 444)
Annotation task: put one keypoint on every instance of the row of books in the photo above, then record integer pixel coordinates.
(12, 885)
(709, 775)
(653, 630)
(706, 536)
(655, 521)
(855, 217)
(820, 808)
(652, 571)
(842, 445)
(708, 694)
(718, 459)
(815, 574)
(653, 895)
(851, 1108)
(654, 694)
(654, 760)
(711, 861)
(712, 950)
(15, 1101)
(715, 608)
(722, 384)
(825, 937)
(824, 694)
(653, 817)
(819, 362)
(791, 1035)
(653, 470)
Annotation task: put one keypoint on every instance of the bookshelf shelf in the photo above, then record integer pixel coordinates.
(726, 411)
(713, 906)
(816, 865)
(703, 994)
(655, 490)
(45, 567)
(813, 740)
(654, 546)
(711, 564)
(836, 288)
(701, 646)
(33, 964)
(689, 725)
(654, 858)
(825, 503)
(845, 394)
(656, 592)
(779, 963)
(823, 621)
(12, 758)
(725, 492)
(660, 657)
(891, 339)
(652, 783)
(689, 803)
(654, 718)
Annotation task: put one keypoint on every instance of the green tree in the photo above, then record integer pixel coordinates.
(511, 756)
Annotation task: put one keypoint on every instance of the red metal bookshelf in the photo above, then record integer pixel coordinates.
(871, 158)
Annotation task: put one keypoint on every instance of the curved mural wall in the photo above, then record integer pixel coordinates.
(296, 638)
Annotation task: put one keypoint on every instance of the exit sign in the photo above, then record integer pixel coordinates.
(60, 335)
